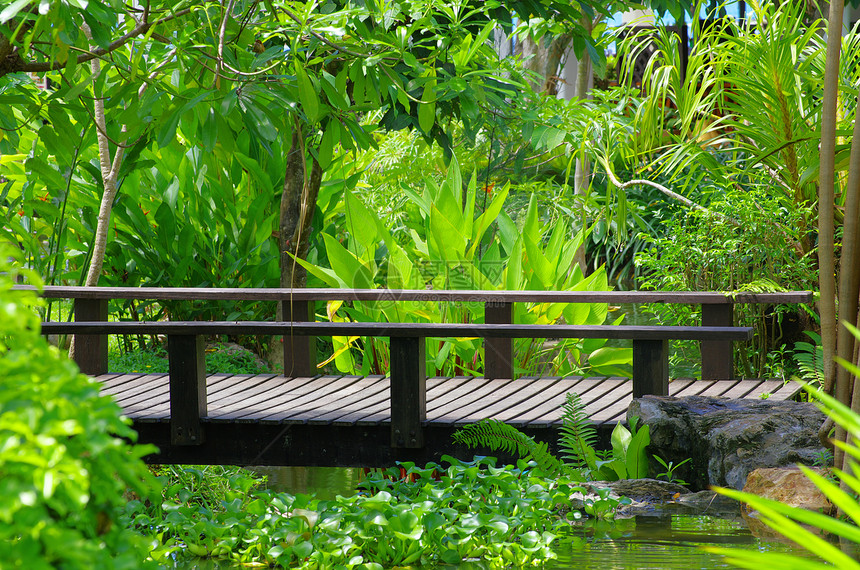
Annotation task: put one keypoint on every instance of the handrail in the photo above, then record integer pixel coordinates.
(488, 296)
(298, 305)
(400, 330)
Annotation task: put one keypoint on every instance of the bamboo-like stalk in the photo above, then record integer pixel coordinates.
(826, 255)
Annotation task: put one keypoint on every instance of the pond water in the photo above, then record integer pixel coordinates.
(665, 542)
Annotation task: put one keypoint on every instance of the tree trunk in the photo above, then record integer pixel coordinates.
(849, 280)
(544, 58)
(297, 209)
(110, 174)
(296, 214)
(826, 256)
(582, 171)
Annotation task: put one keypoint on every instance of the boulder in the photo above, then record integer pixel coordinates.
(790, 486)
(727, 439)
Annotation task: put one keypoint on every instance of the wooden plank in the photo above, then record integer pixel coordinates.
(276, 393)
(442, 400)
(293, 403)
(541, 389)
(611, 391)
(440, 385)
(695, 388)
(421, 295)
(374, 390)
(611, 403)
(717, 388)
(114, 384)
(717, 357)
(678, 384)
(137, 386)
(788, 391)
(515, 395)
(590, 390)
(742, 389)
(187, 388)
(240, 397)
(767, 387)
(498, 352)
(325, 403)
(463, 397)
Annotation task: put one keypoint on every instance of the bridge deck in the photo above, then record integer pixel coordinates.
(344, 420)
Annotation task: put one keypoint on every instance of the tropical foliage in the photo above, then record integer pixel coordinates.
(627, 459)
(457, 239)
(66, 467)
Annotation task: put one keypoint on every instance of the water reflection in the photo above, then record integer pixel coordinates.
(325, 482)
(665, 543)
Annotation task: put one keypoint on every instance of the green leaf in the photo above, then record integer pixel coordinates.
(307, 94)
(427, 107)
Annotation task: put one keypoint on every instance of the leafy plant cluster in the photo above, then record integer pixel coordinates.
(458, 236)
(219, 357)
(66, 466)
(734, 247)
(407, 515)
(581, 461)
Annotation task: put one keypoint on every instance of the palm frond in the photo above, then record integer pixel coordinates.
(497, 435)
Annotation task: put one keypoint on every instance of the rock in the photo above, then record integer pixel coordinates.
(727, 439)
(790, 486)
(653, 497)
(708, 503)
(645, 490)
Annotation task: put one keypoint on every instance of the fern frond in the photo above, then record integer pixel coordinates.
(497, 435)
(810, 361)
(578, 434)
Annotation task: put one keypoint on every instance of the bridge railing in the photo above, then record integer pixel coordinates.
(91, 304)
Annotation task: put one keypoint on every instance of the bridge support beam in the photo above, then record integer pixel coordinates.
(187, 366)
(498, 352)
(91, 350)
(300, 352)
(408, 392)
(717, 357)
(650, 367)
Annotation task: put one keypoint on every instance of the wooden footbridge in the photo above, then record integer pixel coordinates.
(303, 418)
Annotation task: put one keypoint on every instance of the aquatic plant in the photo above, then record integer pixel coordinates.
(406, 515)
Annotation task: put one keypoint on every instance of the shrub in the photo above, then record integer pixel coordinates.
(65, 464)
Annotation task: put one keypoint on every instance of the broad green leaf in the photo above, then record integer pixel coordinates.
(307, 93)
(350, 270)
(427, 107)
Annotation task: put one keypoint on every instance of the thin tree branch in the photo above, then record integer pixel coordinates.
(141, 29)
(674, 195)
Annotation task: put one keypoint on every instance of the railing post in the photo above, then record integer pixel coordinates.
(717, 357)
(650, 367)
(498, 352)
(91, 350)
(300, 352)
(187, 366)
(408, 379)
